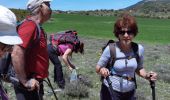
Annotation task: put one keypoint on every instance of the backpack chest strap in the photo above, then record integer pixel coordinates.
(126, 57)
(124, 77)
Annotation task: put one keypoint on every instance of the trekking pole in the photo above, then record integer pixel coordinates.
(152, 84)
(49, 84)
(110, 85)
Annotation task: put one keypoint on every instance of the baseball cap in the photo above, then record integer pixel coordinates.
(8, 33)
(33, 4)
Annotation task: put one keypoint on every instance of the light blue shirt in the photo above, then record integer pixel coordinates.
(122, 67)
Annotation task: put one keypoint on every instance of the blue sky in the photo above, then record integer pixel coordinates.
(75, 4)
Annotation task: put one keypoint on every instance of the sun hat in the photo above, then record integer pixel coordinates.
(8, 33)
(33, 4)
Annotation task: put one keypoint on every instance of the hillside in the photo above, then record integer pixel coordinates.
(151, 8)
(144, 8)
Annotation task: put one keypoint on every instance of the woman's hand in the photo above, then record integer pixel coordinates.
(151, 76)
(104, 72)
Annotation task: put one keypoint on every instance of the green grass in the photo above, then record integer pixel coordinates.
(150, 30)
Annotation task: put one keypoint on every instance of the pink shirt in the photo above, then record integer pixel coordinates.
(63, 47)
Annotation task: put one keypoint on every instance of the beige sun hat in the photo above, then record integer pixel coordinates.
(8, 33)
(33, 4)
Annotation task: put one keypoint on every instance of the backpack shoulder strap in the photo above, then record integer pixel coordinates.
(112, 50)
(135, 50)
(37, 26)
(112, 47)
(111, 61)
(7, 64)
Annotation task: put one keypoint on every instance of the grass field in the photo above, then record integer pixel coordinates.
(95, 31)
(153, 34)
(150, 30)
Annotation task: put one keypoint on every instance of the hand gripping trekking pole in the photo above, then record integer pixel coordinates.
(152, 84)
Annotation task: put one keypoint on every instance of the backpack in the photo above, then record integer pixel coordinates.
(64, 37)
(111, 44)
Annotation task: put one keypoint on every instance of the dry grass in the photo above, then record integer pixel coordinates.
(157, 58)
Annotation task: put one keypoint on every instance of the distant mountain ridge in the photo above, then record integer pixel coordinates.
(151, 8)
(144, 8)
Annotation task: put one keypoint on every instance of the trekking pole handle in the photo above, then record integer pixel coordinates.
(108, 80)
(152, 83)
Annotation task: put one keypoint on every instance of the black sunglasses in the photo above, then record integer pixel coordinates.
(129, 32)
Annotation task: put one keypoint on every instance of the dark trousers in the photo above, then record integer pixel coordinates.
(24, 94)
(58, 72)
(105, 94)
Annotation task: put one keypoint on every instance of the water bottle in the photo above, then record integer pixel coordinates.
(73, 76)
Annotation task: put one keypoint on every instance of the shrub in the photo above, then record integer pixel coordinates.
(76, 89)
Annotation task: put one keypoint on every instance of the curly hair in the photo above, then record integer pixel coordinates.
(125, 21)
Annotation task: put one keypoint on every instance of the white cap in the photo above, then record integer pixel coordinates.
(8, 34)
(33, 4)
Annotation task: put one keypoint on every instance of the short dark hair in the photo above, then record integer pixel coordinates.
(125, 21)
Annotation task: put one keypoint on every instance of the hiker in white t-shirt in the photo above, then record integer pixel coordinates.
(127, 62)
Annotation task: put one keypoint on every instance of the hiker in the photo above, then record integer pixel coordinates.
(119, 80)
(8, 38)
(30, 59)
(63, 50)
(8, 34)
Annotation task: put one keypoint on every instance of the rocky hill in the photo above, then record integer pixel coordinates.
(151, 8)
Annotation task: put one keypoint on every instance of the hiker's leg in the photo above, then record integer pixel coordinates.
(41, 91)
(129, 95)
(23, 94)
(58, 72)
(115, 95)
(104, 93)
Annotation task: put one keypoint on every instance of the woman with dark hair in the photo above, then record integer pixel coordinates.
(122, 72)
(65, 51)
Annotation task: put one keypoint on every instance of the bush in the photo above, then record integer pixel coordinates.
(85, 80)
(76, 89)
